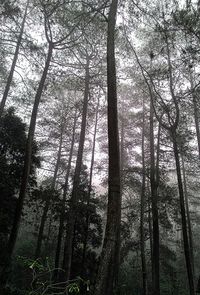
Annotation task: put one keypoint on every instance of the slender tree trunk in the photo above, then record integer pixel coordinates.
(89, 191)
(142, 206)
(196, 112)
(49, 231)
(27, 162)
(188, 214)
(41, 229)
(154, 200)
(173, 134)
(105, 276)
(122, 154)
(65, 189)
(198, 6)
(196, 118)
(158, 156)
(122, 165)
(74, 198)
(193, 92)
(183, 216)
(48, 201)
(12, 69)
(150, 235)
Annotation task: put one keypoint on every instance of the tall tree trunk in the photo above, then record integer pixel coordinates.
(122, 165)
(196, 118)
(196, 112)
(154, 200)
(150, 234)
(12, 69)
(142, 207)
(48, 201)
(173, 133)
(89, 191)
(188, 214)
(183, 215)
(105, 276)
(28, 153)
(158, 156)
(74, 198)
(65, 189)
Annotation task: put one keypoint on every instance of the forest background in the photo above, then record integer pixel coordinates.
(99, 147)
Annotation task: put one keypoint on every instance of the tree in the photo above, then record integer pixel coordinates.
(94, 232)
(12, 140)
(65, 190)
(74, 198)
(48, 199)
(90, 57)
(27, 163)
(142, 241)
(90, 189)
(173, 133)
(12, 69)
(172, 128)
(154, 201)
(105, 276)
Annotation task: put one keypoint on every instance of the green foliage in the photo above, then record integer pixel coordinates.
(74, 288)
(41, 280)
(32, 264)
(12, 150)
(88, 229)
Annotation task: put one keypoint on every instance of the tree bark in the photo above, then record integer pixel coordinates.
(142, 207)
(28, 153)
(105, 276)
(154, 200)
(74, 198)
(183, 215)
(188, 214)
(150, 234)
(65, 189)
(122, 165)
(12, 69)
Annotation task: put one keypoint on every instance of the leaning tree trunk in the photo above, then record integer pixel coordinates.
(183, 215)
(85, 242)
(12, 69)
(154, 200)
(74, 198)
(28, 153)
(142, 207)
(48, 201)
(188, 214)
(105, 276)
(62, 213)
(173, 132)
